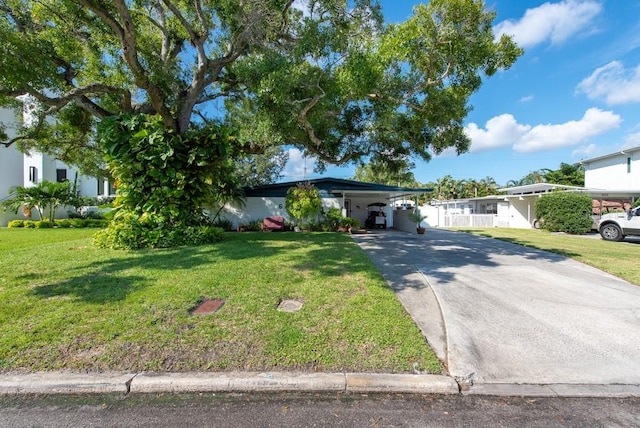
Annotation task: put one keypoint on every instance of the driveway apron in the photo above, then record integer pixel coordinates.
(497, 312)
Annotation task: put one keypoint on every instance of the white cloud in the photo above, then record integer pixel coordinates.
(613, 83)
(298, 167)
(545, 137)
(504, 130)
(500, 131)
(553, 22)
(526, 99)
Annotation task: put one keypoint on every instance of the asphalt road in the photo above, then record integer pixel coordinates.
(500, 313)
(278, 410)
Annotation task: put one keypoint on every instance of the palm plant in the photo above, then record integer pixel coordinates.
(44, 196)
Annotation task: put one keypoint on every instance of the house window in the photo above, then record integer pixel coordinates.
(100, 186)
(61, 175)
(628, 165)
(492, 208)
(33, 174)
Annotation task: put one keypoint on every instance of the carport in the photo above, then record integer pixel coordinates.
(352, 197)
(359, 199)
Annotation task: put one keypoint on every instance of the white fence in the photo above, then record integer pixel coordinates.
(472, 220)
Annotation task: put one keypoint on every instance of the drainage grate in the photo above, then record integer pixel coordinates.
(208, 306)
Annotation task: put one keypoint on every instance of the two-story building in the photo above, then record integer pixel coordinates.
(19, 169)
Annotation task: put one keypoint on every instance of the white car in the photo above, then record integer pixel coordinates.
(615, 226)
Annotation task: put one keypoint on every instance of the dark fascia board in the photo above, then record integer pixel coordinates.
(328, 187)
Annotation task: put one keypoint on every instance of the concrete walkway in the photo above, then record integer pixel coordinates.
(498, 313)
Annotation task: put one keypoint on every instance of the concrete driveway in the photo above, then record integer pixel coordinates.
(499, 313)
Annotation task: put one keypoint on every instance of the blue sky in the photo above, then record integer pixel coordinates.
(574, 94)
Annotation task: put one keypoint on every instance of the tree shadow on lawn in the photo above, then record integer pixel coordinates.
(325, 252)
(109, 280)
(106, 281)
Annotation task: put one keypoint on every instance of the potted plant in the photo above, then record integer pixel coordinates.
(417, 217)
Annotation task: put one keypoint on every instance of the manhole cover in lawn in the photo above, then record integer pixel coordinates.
(288, 305)
(208, 306)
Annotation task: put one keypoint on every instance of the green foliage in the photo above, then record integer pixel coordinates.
(567, 174)
(394, 174)
(448, 187)
(16, 223)
(223, 223)
(333, 218)
(262, 168)
(29, 224)
(94, 222)
(416, 216)
(335, 82)
(254, 225)
(303, 202)
(78, 223)
(568, 212)
(44, 224)
(45, 197)
(64, 223)
(165, 180)
(134, 232)
(351, 222)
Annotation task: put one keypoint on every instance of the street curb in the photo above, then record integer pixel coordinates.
(132, 383)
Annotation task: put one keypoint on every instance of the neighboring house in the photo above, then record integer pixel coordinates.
(618, 171)
(516, 208)
(18, 169)
(355, 199)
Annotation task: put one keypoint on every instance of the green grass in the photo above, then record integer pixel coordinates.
(616, 258)
(67, 305)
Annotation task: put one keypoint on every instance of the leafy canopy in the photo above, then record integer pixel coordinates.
(326, 76)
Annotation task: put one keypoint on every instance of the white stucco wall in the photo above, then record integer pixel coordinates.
(260, 208)
(612, 173)
(10, 157)
(522, 212)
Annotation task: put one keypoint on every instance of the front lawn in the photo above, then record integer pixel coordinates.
(617, 258)
(67, 305)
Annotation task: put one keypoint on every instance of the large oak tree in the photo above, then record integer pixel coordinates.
(326, 76)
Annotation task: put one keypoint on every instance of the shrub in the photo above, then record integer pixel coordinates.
(223, 223)
(351, 222)
(132, 232)
(254, 225)
(64, 223)
(29, 224)
(92, 222)
(44, 224)
(78, 222)
(568, 212)
(333, 218)
(303, 202)
(16, 223)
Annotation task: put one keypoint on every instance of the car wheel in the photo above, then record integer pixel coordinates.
(611, 232)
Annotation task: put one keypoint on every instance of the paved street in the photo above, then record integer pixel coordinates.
(501, 313)
(313, 410)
